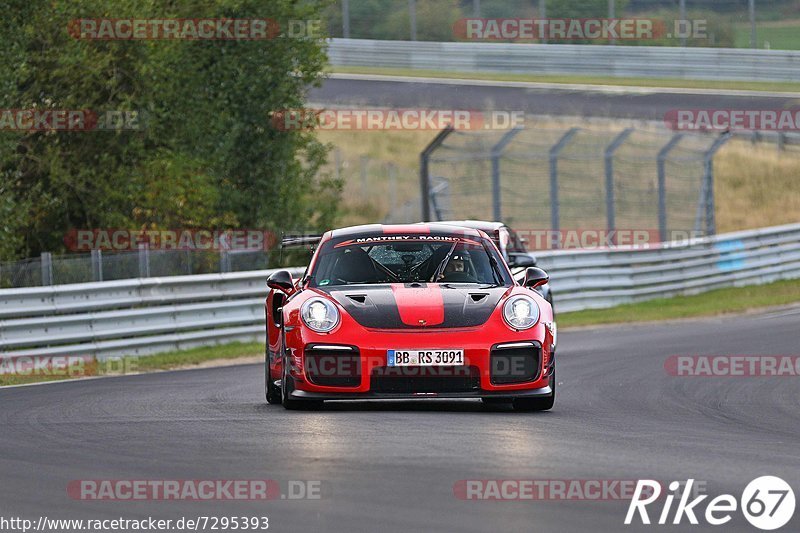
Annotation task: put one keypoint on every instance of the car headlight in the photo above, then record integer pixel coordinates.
(521, 312)
(319, 314)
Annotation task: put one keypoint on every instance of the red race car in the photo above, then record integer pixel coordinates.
(409, 311)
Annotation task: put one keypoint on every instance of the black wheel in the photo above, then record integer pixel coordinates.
(271, 391)
(537, 404)
(286, 388)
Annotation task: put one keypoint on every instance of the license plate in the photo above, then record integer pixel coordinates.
(424, 357)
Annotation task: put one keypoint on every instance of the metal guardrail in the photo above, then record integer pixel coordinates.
(134, 317)
(604, 278)
(148, 315)
(617, 61)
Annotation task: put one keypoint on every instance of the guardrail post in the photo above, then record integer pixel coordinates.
(708, 182)
(609, 160)
(144, 261)
(46, 263)
(424, 173)
(662, 185)
(97, 265)
(497, 153)
(554, 212)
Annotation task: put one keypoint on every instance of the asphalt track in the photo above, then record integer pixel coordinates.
(536, 98)
(392, 466)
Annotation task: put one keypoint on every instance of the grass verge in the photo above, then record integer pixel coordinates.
(587, 80)
(711, 303)
(151, 363)
(778, 34)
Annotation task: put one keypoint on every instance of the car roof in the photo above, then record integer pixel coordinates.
(426, 228)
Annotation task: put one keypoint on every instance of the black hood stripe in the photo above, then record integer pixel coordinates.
(376, 306)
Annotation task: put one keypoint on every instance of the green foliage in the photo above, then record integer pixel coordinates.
(206, 155)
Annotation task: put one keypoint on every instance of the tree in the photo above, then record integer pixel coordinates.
(205, 155)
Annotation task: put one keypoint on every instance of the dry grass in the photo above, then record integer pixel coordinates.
(755, 185)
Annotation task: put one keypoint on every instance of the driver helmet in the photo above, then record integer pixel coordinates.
(456, 264)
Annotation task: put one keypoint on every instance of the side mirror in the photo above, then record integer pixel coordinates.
(281, 281)
(521, 260)
(535, 277)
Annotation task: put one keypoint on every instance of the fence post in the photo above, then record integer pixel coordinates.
(224, 261)
(554, 211)
(662, 185)
(609, 160)
(424, 174)
(46, 263)
(144, 261)
(346, 19)
(543, 15)
(412, 18)
(441, 189)
(708, 182)
(497, 153)
(97, 265)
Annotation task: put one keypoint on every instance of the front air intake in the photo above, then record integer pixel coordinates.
(332, 365)
(516, 362)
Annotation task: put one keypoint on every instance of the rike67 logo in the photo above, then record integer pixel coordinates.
(767, 503)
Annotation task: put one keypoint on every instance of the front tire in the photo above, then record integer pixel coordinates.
(272, 391)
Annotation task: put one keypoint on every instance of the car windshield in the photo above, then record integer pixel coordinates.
(450, 260)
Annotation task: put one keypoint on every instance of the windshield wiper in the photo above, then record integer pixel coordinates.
(454, 285)
(443, 264)
(495, 267)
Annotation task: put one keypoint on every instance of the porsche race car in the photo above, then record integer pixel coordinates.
(409, 311)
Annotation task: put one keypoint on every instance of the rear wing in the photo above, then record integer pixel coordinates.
(291, 241)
